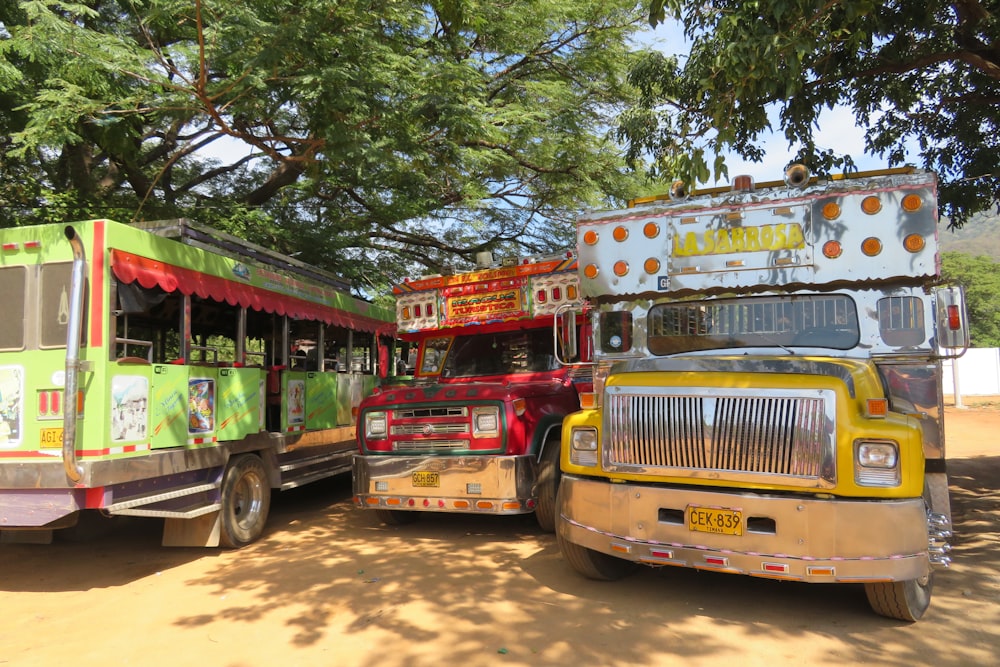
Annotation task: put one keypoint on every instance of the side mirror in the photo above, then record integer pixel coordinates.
(564, 334)
(951, 318)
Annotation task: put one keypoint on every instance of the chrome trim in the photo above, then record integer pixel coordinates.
(74, 331)
(739, 435)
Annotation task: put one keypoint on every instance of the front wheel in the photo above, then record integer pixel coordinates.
(548, 485)
(594, 564)
(246, 500)
(905, 600)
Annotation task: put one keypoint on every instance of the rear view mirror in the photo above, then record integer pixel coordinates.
(952, 320)
(564, 334)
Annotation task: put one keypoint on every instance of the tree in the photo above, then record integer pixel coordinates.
(981, 280)
(924, 73)
(375, 136)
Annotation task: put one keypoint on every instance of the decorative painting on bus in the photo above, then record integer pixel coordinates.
(11, 410)
(201, 405)
(129, 407)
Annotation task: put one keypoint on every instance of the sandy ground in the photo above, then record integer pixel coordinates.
(330, 586)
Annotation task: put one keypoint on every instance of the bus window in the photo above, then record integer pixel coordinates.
(54, 304)
(12, 284)
(901, 321)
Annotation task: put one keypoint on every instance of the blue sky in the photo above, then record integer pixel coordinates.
(837, 128)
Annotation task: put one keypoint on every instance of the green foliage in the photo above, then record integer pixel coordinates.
(374, 138)
(981, 279)
(915, 73)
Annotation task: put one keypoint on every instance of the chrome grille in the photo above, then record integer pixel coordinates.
(429, 429)
(668, 431)
(415, 413)
(428, 445)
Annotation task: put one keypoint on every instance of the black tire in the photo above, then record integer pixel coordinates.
(246, 500)
(547, 485)
(594, 564)
(905, 600)
(396, 517)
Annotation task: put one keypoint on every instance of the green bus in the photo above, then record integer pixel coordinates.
(173, 371)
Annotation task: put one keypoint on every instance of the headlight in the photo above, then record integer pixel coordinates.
(375, 425)
(876, 463)
(485, 422)
(583, 447)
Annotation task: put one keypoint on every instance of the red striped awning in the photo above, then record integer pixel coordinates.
(149, 273)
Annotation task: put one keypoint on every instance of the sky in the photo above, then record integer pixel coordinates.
(836, 126)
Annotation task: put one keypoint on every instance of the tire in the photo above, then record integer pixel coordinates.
(594, 564)
(905, 600)
(547, 485)
(246, 500)
(396, 517)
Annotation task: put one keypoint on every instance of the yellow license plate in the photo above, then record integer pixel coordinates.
(50, 438)
(426, 479)
(714, 520)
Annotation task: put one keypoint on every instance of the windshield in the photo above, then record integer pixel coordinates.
(828, 320)
(502, 353)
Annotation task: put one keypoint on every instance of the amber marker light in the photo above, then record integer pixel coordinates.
(832, 249)
(621, 268)
(651, 230)
(590, 237)
(620, 233)
(651, 265)
(912, 203)
(871, 246)
(871, 205)
(591, 271)
(877, 408)
(914, 242)
(831, 210)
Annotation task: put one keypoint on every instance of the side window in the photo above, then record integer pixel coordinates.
(901, 321)
(54, 307)
(12, 286)
(616, 332)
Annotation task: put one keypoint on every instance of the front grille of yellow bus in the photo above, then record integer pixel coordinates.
(744, 435)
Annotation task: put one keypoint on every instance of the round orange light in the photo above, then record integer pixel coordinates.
(912, 203)
(871, 246)
(621, 268)
(914, 242)
(871, 205)
(591, 271)
(651, 265)
(832, 249)
(651, 230)
(620, 233)
(831, 210)
(590, 237)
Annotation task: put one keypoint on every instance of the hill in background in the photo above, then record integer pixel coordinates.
(979, 236)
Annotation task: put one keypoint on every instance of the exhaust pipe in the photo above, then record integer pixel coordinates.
(74, 332)
(679, 191)
(797, 176)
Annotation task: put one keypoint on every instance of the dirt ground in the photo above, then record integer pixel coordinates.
(329, 586)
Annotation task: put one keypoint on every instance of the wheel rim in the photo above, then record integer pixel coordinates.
(248, 501)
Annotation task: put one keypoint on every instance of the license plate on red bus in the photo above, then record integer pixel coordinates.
(715, 520)
(50, 438)
(426, 479)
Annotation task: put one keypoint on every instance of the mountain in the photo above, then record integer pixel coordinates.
(979, 236)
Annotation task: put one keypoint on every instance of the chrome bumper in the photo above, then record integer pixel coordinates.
(483, 484)
(801, 539)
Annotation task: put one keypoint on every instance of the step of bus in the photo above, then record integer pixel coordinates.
(146, 504)
(302, 471)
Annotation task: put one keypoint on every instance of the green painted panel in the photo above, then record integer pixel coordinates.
(321, 397)
(239, 402)
(169, 406)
